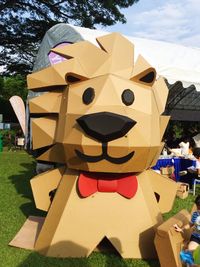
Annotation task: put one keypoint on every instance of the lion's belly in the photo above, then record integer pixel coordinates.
(82, 223)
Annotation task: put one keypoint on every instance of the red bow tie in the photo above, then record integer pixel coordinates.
(126, 185)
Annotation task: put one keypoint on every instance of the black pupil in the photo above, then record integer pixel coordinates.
(128, 97)
(88, 95)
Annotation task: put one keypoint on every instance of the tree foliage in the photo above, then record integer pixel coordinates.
(177, 131)
(14, 85)
(24, 23)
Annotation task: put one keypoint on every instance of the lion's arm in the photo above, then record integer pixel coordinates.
(43, 184)
(165, 190)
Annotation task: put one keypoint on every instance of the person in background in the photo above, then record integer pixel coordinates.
(184, 146)
(195, 236)
(188, 176)
(196, 154)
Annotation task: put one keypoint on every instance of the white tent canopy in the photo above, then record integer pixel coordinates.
(172, 61)
(179, 65)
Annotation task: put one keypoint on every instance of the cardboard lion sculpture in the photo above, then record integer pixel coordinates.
(102, 123)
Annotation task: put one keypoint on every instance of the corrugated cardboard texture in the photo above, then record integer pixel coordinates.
(46, 103)
(182, 190)
(28, 234)
(108, 119)
(168, 242)
(78, 225)
(109, 75)
(43, 184)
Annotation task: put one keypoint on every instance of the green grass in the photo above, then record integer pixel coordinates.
(16, 204)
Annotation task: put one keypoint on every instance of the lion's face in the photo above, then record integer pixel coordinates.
(111, 122)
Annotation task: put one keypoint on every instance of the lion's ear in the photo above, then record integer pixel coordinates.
(143, 72)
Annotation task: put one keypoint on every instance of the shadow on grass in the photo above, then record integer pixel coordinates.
(96, 259)
(58, 249)
(23, 188)
(41, 261)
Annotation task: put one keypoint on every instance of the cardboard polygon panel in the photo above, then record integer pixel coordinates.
(55, 75)
(142, 68)
(167, 170)
(73, 228)
(145, 182)
(65, 238)
(45, 78)
(46, 103)
(163, 124)
(137, 163)
(116, 45)
(153, 163)
(43, 184)
(54, 154)
(44, 130)
(119, 85)
(161, 92)
(81, 51)
(168, 242)
(153, 152)
(159, 184)
(182, 190)
(155, 123)
(28, 234)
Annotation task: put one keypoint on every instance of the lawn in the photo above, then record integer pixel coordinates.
(16, 169)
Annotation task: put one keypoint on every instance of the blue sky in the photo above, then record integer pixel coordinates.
(176, 21)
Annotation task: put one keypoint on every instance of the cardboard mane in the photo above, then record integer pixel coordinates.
(101, 119)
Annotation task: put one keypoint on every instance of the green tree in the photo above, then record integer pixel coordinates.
(14, 85)
(24, 23)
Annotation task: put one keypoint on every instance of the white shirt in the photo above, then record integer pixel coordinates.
(184, 148)
(197, 164)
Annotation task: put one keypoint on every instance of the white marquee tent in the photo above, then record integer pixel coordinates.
(180, 65)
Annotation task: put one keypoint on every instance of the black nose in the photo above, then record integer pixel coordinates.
(105, 126)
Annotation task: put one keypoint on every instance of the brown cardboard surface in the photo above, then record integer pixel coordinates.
(28, 234)
(44, 130)
(163, 124)
(54, 154)
(182, 190)
(153, 163)
(80, 51)
(55, 75)
(160, 184)
(141, 65)
(168, 242)
(46, 103)
(71, 135)
(141, 69)
(161, 92)
(69, 224)
(115, 45)
(123, 136)
(43, 184)
(167, 170)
